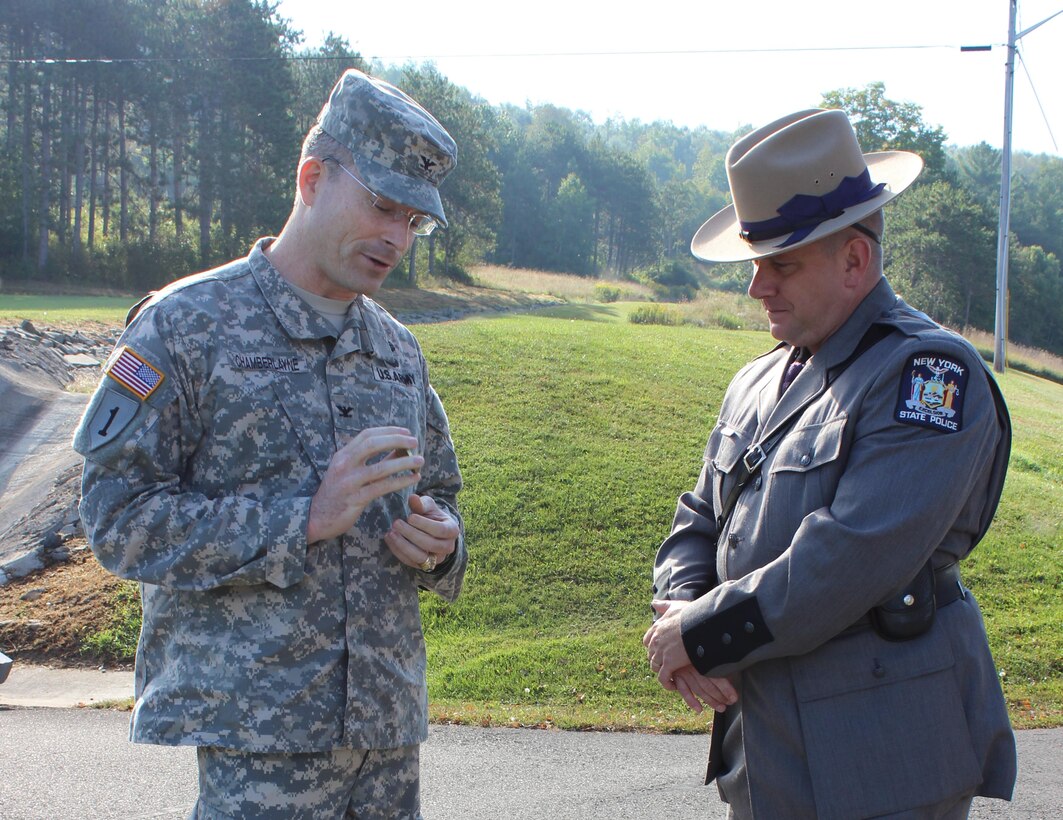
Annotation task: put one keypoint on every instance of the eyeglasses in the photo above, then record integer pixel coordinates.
(420, 224)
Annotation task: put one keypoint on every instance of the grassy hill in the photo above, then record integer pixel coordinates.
(576, 432)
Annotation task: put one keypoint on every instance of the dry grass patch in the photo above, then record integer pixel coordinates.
(1029, 359)
(566, 286)
(725, 310)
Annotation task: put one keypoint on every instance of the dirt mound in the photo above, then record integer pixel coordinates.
(46, 616)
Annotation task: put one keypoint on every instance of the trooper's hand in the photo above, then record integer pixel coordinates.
(696, 689)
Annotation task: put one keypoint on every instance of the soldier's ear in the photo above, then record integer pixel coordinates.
(309, 177)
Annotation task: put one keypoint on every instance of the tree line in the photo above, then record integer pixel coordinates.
(146, 139)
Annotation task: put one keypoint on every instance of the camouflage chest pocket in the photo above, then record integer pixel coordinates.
(254, 413)
(376, 394)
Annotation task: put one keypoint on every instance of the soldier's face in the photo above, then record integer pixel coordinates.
(355, 244)
(803, 292)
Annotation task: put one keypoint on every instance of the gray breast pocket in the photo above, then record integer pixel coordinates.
(722, 454)
(806, 465)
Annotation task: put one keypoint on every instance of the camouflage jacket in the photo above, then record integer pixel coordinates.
(215, 421)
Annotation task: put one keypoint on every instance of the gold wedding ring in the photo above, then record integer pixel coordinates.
(428, 564)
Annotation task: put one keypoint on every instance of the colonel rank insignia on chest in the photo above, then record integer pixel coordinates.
(932, 392)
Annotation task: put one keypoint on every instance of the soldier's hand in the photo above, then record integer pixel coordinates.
(351, 484)
(426, 537)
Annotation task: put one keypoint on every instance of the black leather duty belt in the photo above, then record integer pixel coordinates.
(947, 585)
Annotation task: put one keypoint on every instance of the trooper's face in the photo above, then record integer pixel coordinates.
(808, 292)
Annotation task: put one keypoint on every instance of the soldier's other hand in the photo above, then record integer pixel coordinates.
(426, 537)
(351, 483)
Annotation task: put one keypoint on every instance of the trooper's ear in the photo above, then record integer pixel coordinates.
(857, 252)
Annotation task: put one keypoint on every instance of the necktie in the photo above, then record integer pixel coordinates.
(791, 373)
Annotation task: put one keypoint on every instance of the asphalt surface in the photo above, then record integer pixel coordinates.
(35, 430)
(70, 763)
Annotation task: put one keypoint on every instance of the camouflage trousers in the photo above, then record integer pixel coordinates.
(351, 784)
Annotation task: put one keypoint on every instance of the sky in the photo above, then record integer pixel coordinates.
(725, 65)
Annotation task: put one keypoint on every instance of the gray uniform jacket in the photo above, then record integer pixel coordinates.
(895, 459)
(220, 410)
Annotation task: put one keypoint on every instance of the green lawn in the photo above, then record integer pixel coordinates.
(14, 307)
(576, 433)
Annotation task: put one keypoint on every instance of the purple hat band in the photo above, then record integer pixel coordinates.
(803, 213)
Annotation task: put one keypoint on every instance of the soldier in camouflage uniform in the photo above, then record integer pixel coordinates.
(266, 455)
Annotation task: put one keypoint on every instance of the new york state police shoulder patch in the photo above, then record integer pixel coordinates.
(932, 392)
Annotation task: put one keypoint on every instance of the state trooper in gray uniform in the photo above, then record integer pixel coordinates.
(809, 590)
(266, 455)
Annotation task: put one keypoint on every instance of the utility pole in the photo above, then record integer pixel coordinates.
(1001, 325)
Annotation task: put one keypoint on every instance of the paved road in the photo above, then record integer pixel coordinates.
(35, 430)
(77, 763)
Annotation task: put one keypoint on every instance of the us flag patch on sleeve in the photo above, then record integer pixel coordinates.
(932, 392)
(131, 371)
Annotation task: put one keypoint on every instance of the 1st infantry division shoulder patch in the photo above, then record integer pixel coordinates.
(932, 392)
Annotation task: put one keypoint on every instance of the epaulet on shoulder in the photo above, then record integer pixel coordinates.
(911, 322)
(223, 273)
(921, 328)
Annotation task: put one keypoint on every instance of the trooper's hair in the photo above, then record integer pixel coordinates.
(876, 224)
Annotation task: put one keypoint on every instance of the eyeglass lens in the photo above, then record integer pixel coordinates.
(420, 224)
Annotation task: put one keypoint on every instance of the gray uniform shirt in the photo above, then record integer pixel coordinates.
(220, 410)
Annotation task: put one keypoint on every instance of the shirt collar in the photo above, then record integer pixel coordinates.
(293, 313)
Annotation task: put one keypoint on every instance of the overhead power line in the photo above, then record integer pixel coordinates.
(1044, 116)
(480, 56)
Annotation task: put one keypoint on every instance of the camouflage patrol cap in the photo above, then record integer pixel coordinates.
(402, 152)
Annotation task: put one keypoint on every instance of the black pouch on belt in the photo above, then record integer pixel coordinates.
(909, 613)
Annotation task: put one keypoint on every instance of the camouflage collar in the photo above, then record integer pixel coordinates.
(291, 310)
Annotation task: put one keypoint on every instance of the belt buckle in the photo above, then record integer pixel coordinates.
(754, 457)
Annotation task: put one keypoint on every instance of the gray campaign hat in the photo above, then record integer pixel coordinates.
(797, 180)
(402, 152)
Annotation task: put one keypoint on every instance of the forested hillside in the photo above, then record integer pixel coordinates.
(145, 139)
